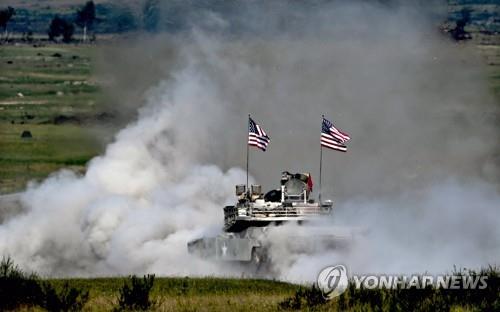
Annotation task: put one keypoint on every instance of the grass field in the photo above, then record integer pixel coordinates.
(224, 294)
(489, 49)
(38, 84)
(50, 92)
(191, 294)
(51, 147)
(20, 290)
(492, 56)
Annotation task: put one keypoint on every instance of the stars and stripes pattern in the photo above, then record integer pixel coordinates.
(332, 137)
(257, 136)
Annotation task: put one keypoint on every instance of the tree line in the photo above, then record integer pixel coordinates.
(84, 17)
(152, 16)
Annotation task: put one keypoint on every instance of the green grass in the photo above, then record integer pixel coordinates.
(37, 88)
(33, 82)
(495, 83)
(30, 77)
(225, 294)
(175, 286)
(491, 54)
(494, 79)
(52, 147)
(190, 294)
(28, 292)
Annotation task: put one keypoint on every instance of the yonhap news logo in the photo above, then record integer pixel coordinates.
(334, 280)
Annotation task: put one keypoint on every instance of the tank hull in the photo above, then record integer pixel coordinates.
(255, 245)
(224, 247)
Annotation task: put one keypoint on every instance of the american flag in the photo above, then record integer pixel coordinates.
(257, 136)
(332, 137)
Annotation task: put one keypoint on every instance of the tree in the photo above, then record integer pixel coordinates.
(61, 27)
(151, 15)
(124, 20)
(5, 16)
(459, 32)
(85, 17)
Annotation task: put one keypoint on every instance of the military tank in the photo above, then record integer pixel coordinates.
(247, 223)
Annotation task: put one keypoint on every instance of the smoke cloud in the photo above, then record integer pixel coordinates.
(420, 177)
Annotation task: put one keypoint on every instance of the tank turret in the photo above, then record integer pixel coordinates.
(290, 202)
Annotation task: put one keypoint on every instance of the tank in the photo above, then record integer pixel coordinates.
(246, 223)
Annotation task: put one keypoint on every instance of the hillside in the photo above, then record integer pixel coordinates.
(112, 16)
(484, 14)
(115, 16)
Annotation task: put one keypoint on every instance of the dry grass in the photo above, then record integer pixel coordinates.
(207, 302)
(191, 294)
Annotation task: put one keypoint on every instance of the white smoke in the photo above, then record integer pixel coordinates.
(419, 177)
(431, 230)
(135, 208)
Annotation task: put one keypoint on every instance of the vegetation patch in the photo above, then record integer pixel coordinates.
(18, 290)
(304, 298)
(50, 148)
(48, 92)
(136, 294)
(228, 294)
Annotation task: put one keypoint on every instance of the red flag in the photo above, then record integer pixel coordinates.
(310, 183)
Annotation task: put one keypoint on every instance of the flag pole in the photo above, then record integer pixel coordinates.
(247, 149)
(320, 160)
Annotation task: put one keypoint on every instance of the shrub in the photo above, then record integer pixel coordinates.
(67, 299)
(16, 287)
(136, 296)
(304, 298)
(428, 299)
